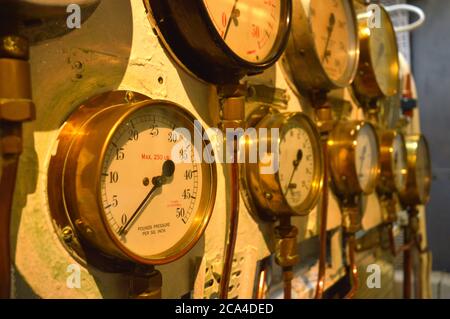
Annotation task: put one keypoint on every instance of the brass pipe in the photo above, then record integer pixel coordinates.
(7, 185)
(262, 285)
(233, 115)
(288, 275)
(353, 267)
(232, 232)
(323, 227)
(325, 123)
(407, 267)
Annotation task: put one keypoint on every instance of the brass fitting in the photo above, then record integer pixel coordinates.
(351, 219)
(286, 246)
(145, 283)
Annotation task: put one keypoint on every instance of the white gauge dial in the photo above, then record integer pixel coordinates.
(399, 162)
(248, 27)
(296, 166)
(149, 201)
(333, 26)
(366, 157)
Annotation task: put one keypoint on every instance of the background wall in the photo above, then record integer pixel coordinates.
(430, 58)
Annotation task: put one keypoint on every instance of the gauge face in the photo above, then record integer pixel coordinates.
(297, 162)
(399, 162)
(384, 56)
(248, 27)
(149, 201)
(367, 156)
(333, 25)
(423, 169)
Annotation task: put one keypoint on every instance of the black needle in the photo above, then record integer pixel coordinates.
(296, 163)
(232, 15)
(331, 24)
(158, 181)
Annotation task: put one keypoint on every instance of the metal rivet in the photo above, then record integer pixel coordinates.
(67, 234)
(268, 196)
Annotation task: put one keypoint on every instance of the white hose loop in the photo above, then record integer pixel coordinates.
(407, 7)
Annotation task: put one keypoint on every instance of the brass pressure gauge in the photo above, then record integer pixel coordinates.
(287, 180)
(378, 71)
(220, 41)
(354, 158)
(393, 160)
(323, 48)
(419, 175)
(125, 181)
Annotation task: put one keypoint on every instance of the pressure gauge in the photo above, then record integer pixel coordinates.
(323, 48)
(378, 72)
(125, 179)
(220, 41)
(419, 175)
(287, 180)
(354, 157)
(393, 160)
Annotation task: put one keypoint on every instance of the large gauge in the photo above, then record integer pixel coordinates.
(378, 72)
(323, 48)
(354, 158)
(393, 160)
(127, 180)
(419, 175)
(294, 154)
(221, 41)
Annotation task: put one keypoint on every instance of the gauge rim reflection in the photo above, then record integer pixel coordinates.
(366, 82)
(387, 180)
(257, 185)
(77, 203)
(342, 145)
(301, 63)
(411, 196)
(219, 64)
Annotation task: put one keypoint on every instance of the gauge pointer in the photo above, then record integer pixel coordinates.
(296, 164)
(232, 17)
(331, 24)
(158, 181)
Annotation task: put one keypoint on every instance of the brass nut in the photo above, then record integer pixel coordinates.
(17, 111)
(12, 46)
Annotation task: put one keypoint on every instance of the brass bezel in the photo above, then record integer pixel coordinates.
(411, 196)
(301, 60)
(342, 157)
(263, 192)
(366, 84)
(387, 182)
(75, 175)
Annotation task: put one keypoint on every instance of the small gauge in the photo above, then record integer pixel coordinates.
(378, 71)
(129, 181)
(393, 160)
(288, 180)
(323, 48)
(220, 41)
(419, 175)
(354, 157)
